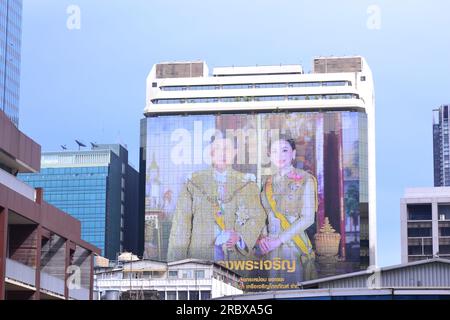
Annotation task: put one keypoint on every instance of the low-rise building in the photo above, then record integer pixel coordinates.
(425, 223)
(189, 279)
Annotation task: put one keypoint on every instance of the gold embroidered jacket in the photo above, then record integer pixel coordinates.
(193, 230)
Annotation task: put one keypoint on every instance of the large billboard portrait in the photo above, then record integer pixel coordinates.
(279, 197)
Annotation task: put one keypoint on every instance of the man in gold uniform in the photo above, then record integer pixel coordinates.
(218, 214)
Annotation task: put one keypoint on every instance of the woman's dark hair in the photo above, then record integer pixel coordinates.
(286, 138)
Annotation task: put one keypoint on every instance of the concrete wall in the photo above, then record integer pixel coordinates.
(3, 240)
(17, 146)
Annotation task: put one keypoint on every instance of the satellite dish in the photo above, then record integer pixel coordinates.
(80, 144)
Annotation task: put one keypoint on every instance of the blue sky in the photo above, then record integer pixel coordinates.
(89, 84)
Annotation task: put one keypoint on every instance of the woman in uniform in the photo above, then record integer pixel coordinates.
(290, 198)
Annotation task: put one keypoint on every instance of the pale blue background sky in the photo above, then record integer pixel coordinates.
(89, 84)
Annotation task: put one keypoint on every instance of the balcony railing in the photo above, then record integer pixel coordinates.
(16, 185)
(150, 283)
(79, 294)
(52, 284)
(20, 272)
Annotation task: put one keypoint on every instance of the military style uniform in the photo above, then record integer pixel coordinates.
(195, 228)
(294, 196)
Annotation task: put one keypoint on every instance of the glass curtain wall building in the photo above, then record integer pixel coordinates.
(80, 191)
(93, 186)
(10, 44)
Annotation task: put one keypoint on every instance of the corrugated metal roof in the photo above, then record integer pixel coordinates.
(332, 294)
(433, 273)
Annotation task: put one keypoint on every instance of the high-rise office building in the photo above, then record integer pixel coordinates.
(324, 120)
(99, 188)
(39, 244)
(441, 151)
(425, 223)
(10, 43)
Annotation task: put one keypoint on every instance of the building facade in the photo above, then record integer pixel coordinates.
(329, 114)
(40, 246)
(99, 188)
(425, 223)
(441, 151)
(190, 279)
(10, 45)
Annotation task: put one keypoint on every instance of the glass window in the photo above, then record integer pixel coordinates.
(444, 246)
(296, 97)
(419, 230)
(186, 274)
(173, 274)
(334, 83)
(194, 295)
(237, 86)
(415, 250)
(182, 295)
(271, 85)
(270, 98)
(444, 211)
(304, 84)
(199, 274)
(205, 295)
(420, 246)
(204, 87)
(444, 228)
(228, 99)
(171, 295)
(419, 211)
